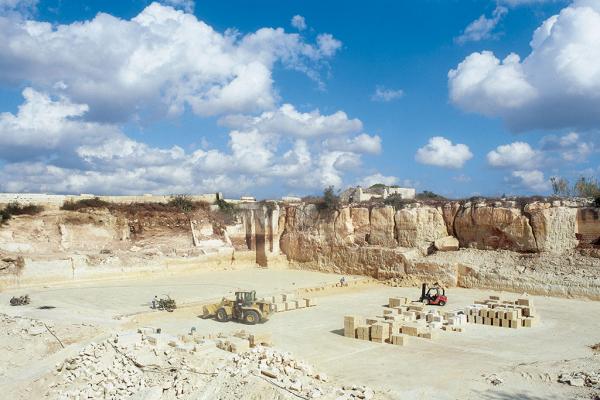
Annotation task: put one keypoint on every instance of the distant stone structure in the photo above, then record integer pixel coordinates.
(358, 194)
(57, 200)
(291, 199)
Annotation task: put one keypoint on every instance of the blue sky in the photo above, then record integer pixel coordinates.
(457, 97)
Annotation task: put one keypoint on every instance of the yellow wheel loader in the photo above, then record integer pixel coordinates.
(245, 308)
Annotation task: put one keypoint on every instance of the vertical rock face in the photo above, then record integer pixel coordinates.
(336, 241)
(361, 224)
(489, 228)
(382, 227)
(588, 225)
(554, 227)
(419, 226)
(449, 211)
(344, 229)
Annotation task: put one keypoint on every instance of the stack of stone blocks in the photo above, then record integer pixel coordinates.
(503, 313)
(288, 301)
(400, 319)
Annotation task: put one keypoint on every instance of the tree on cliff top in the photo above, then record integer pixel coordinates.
(331, 201)
(584, 187)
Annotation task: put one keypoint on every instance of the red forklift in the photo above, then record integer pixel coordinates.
(434, 295)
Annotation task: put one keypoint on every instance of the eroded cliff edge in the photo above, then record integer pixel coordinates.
(543, 248)
(538, 247)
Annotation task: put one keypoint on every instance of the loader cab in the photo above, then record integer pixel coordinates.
(245, 298)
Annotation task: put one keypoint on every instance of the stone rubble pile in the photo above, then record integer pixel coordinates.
(22, 326)
(581, 379)
(146, 365)
(284, 371)
(128, 364)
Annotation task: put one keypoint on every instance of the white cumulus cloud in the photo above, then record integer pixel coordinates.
(555, 86)
(383, 94)
(571, 147)
(298, 22)
(49, 146)
(517, 155)
(441, 152)
(185, 5)
(288, 121)
(162, 61)
(530, 180)
(371, 180)
(483, 27)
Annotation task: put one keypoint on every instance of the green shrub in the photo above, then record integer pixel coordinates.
(182, 202)
(71, 205)
(225, 206)
(378, 186)
(427, 195)
(396, 201)
(15, 208)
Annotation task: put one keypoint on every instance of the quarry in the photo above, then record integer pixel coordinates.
(347, 319)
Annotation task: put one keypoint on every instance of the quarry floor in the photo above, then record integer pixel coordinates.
(452, 366)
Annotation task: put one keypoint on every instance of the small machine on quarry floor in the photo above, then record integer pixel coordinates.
(434, 295)
(244, 308)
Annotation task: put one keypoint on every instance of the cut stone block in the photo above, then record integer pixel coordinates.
(351, 322)
(363, 332)
(515, 323)
(447, 243)
(399, 340)
(380, 331)
(263, 339)
(430, 334)
(524, 302)
(290, 305)
(394, 302)
(288, 297)
(409, 315)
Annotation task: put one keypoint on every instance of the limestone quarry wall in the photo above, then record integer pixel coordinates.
(386, 243)
(57, 245)
(412, 244)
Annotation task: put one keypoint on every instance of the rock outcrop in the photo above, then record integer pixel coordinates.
(554, 227)
(382, 227)
(447, 243)
(419, 226)
(490, 228)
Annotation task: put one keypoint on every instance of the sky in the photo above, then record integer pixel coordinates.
(275, 98)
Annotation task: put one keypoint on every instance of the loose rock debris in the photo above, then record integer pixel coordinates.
(581, 378)
(147, 365)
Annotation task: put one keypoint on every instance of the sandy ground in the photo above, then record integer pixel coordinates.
(453, 366)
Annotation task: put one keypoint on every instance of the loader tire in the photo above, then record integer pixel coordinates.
(251, 317)
(222, 315)
(442, 303)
